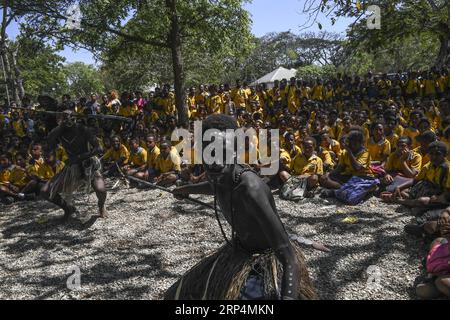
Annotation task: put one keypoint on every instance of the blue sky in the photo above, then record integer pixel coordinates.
(267, 16)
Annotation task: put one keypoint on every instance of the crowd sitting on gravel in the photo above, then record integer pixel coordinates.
(384, 135)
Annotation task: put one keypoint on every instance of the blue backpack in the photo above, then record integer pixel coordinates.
(356, 190)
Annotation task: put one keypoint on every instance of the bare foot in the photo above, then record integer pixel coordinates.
(103, 213)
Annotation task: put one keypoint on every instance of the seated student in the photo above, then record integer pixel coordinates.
(152, 154)
(424, 140)
(290, 146)
(332, 146)
(424, 125)
(306, 165)
(391, 123)
(168, 166)
(284, 163)
(378, 146)
(354, 161)
(328, 158)
(430, 187)
(191, 173)
(36, 159)
(50, 167)
(7, 195)
(19, 181)
(138, 159)
(412, 130)
(403, 162)
(115, 158)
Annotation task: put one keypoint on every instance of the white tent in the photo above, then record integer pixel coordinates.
(277, 74)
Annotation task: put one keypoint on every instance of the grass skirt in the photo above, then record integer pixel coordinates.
(224, 274)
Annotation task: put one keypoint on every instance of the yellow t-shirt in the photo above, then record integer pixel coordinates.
(33, 169)
(393, 139)
(46, 172)
(19, 128)
(326, 157)
(115, 155)
(301, 165)
(152, 157)
(5, 175)
(239, 97)
(18, 177)
(433, 174)
(379, 151)
(414, 161)
(363, 158)
(171, 163)
(61, 154)
(412, 133)
(215, 105)
(425, 156)
(127, 111)
(139, 158)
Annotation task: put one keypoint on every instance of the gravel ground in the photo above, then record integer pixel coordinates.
(150, 240)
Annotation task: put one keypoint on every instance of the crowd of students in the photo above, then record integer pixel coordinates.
(394, 128)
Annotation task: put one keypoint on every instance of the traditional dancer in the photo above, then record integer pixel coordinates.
(82, 167)
(259, 262)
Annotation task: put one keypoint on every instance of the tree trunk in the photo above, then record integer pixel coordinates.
(18, 75)
(177, 61)
(9, 77)
(444, 51)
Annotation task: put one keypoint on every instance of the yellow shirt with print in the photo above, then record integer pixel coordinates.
(46, 171)
(363, 158)
(139, 158)
(379, 151)
(18, 177)
(115, 155)
(301, 165)
(171, 163)
(414, 161)
(33, 169)
(433, 174)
